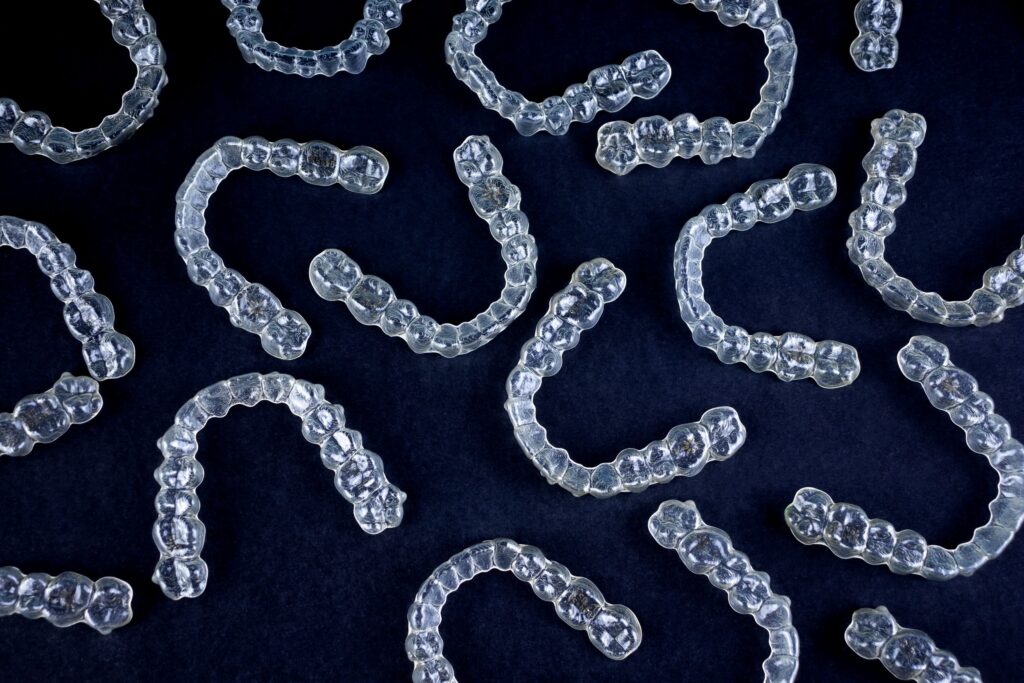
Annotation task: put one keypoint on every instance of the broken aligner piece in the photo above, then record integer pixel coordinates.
(889, 166)
(608, 88)
(369, 37)
(791, 356)
(708, 550)
(31, 131)
(108, 354)
(683, 452)
(846, 530)
(178, 532)
(655, 141)
(66, 599)
(612, 629)
(372, 301)
(252, 307)
(908, 654)
(875, 46)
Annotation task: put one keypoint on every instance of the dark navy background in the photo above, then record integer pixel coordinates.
(296, 590)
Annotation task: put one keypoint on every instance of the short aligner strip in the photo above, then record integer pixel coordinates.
(108, 354)
(683, 452)
(889, 166)
(369, 37)
(708, 550)
(31, 131)
(875, 46)
(846, 530)
(791, 356)
(612, 629)
(372, 301)
(66, 599)
(178, 532)
(908, 654)
(608, 88)
(251, 306)
(656, 141)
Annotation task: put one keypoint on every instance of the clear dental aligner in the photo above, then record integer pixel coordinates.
(708, 550)
(654, 140)
(358, 472)
(908, 654)
(890, 165)
(372, 301)
(108, 354)
(682, 453)
(612, 629)
(608, 88)
(791, 356)
(251, 306)
(846, 530)
(369, 37)
(31, 131)
(875, 46)
(66, 599)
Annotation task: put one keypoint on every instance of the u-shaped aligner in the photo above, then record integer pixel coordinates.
(791, 356)
(178, 532)
(369, 37)
(708, 550)
(683, 452)
(372, 301)
(846, 530)
(612, 629)
(66, 599)
(656, 141)
(889, 166)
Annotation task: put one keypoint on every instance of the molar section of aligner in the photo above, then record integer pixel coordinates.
(875, 46)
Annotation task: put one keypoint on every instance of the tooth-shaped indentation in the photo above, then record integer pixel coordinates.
(613, 629)
(655, 141)
(708, 550)
(875, 46)
(889, 166)
(790, 356)
(372, 301)
(908, 654)
(66, 599)
(846, 530)
(32, 132)
(180, 535)
(684, 451)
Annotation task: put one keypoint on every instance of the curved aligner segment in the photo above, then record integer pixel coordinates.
(369, 37)
(178, 532)
(608, 88)
(612, 629)
(654, 140)
(683, 452)
(252, 307)
(889, 166)
(708, 550)
(66, 599)
(846, 530)
(908, 654)
(791, 356)
(875, 46)
(33, 133)
(108, 354)
(372, 301)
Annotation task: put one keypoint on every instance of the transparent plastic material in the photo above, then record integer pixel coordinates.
(846, 530)
(108, 354)
(178, 532)
(33, 133)
(656, 141)
(708, 550)
(612, 629)
(682, 453)
(875, 46)
(66, 599)
(790, 356)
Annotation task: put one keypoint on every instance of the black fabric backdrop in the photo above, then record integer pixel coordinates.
(296, 590)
